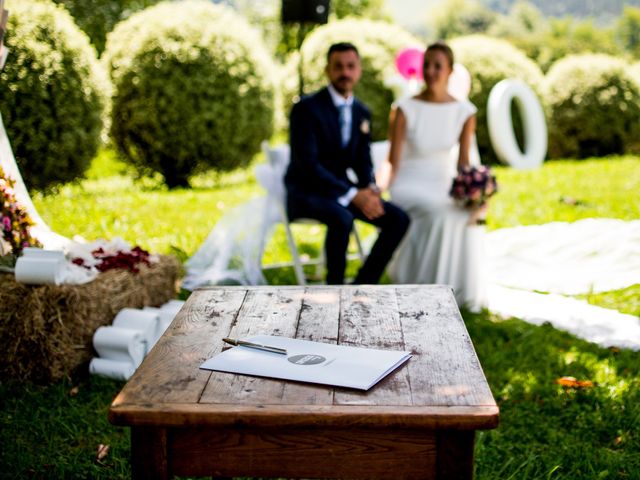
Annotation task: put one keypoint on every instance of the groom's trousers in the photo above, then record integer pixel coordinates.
(339, 221)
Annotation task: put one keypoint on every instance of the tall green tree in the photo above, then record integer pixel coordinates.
(455, 18)
(524, 19)
(284, 39)
(523, 27)
(628, 30)
(566, 36)
(546, 40)
(369, 9)
(98, 17)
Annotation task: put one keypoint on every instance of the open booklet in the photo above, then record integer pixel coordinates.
(305, 361)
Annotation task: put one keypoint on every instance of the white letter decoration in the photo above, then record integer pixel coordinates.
(500, 124)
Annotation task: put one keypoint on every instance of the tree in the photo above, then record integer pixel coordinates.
(628, 30)
(284, 39)
(98, 17)
(462, 17)
(524, 19)
(566, 36)
(369, 9)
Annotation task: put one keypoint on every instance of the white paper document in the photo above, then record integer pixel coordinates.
(314, 362)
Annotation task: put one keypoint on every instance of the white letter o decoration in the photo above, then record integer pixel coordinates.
(500, 124)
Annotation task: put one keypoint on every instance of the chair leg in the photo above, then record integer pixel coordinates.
(297, 264)
(320, 266)
(359, 244)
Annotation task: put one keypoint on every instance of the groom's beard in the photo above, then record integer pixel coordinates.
(344, 86)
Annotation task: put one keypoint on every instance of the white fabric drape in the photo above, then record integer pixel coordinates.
(232, 252)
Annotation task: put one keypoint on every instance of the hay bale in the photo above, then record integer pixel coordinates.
(46, 331)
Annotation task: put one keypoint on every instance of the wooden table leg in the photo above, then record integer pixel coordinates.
(455, 455)
(149, 459)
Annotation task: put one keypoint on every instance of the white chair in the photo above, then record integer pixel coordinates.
(278, 158)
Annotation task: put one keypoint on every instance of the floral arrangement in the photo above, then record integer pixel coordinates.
(473, 186)
(124, 259)
(15, 223)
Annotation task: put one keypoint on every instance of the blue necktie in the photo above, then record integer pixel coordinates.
(344, 125)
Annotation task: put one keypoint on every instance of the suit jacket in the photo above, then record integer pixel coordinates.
(318, 161)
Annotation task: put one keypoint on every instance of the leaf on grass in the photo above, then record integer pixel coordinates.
(74, 391)
(617, 441)
(572, 201)
(571, 382)
(103, 451)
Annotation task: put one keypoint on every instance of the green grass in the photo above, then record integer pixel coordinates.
(46, 432)
(626, 300)
(566, 191)
(546, 431)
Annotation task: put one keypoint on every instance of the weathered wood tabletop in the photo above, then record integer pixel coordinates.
(418, 422)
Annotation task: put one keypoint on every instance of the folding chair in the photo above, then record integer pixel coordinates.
(279, 157)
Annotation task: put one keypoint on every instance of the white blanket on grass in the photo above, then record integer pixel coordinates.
(587, 256)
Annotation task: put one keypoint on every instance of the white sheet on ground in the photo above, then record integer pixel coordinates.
(590, 255)
(602, 326)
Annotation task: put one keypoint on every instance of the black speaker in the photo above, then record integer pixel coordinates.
(305, 11)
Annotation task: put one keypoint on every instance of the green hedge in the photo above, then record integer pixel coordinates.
(378, 43)
(489, 61)
(594, 107)
(193, 89)
(52, 94)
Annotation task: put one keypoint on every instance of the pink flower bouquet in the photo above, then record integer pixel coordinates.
(473, 186)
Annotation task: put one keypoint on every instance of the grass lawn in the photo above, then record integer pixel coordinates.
(547, 431)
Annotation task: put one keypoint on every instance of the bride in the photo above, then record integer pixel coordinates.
(443, 244)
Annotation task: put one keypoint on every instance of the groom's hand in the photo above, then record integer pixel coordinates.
(368, 201)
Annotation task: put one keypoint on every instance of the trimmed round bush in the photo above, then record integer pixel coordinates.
(378, 44)
(489, 61)
(52, 94)
(193, 89)
(594, 107)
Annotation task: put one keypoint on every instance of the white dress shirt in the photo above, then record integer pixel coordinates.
(339, 101)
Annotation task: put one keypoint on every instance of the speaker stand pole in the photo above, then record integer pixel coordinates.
(301, 35)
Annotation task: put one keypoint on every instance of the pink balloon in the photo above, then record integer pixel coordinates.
(409, 63)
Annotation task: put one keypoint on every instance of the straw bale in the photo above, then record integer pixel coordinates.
(46, 331)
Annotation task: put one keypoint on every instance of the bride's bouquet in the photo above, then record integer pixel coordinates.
(473, 186)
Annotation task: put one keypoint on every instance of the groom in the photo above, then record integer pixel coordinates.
(330, 131)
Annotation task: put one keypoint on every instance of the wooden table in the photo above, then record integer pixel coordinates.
(419, 422)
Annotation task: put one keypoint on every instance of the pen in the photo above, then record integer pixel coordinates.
(257, 346)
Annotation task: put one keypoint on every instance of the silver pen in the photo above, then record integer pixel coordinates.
(257, 346)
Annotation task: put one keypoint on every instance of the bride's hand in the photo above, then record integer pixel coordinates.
(478, 214)
(384, 176)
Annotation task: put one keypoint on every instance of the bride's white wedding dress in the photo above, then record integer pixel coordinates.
(440, 246)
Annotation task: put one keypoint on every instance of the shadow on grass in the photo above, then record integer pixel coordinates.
(546, 431)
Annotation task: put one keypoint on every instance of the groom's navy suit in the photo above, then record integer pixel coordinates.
(317, 180)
